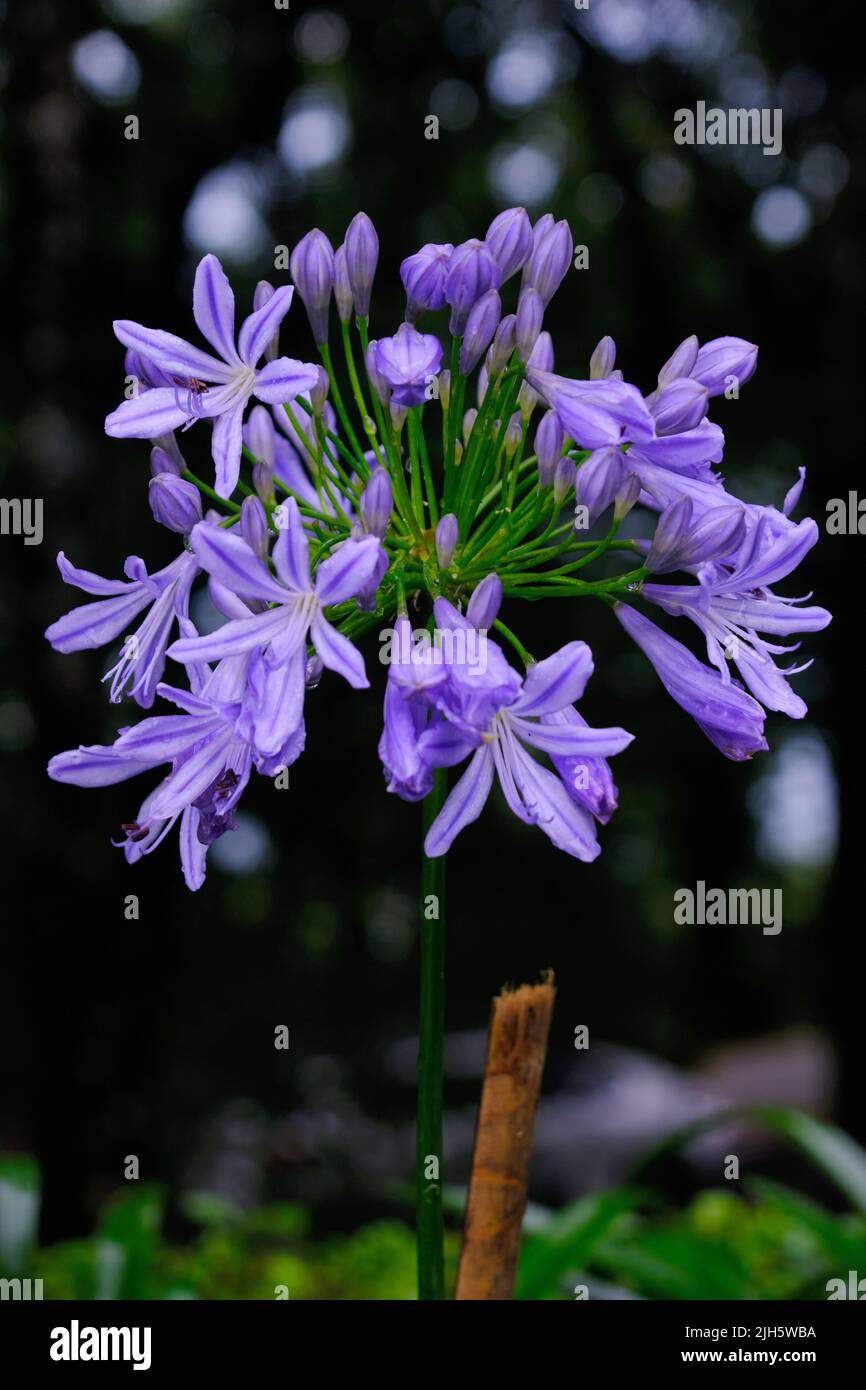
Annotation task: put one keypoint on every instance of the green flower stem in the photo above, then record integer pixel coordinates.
(208, 491)
(432, 502)
(515, 642)
(357, 392)
(428, 1158)
(339, 405)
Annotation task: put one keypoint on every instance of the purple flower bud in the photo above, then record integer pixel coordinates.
(509, 237)
(444, 388)
(469, 418)
(599, 479)
(377, 501)
(163, 462)
(549, 437)
(423, 277)
(362, 255)
(312, 266)
(377, 381)
(408, 362)
(472, 271)
(480, 327)
(398, 415)
(550, 260)
(540, 229)
(484, 605)
(679, 542)
(174, 502)
(263, 482)
(722, 359)
(680, 362)
(530, 316)
(678, 406)
(254, 526)
(513, 434)
(601, 363)
(540, 359)
(446, 540)
(319, 392)
(504, 343)
(342, 289)
(260, 436)
(262, 295)
(563, 479)
(627, 497)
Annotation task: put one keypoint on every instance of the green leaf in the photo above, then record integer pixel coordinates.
(834, 1153)
(20, 1194)
(127, 1242)
(567, 1239)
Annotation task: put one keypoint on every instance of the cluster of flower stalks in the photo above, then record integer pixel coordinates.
(343, 504)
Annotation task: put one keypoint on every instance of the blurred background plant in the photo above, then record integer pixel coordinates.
(154, 1037)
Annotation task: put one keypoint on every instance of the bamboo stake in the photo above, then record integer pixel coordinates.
(516, 1047)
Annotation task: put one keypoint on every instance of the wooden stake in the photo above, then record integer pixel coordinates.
(516, 1048)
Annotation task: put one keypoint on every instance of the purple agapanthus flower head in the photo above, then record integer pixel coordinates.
(208, 387)
(408, 362)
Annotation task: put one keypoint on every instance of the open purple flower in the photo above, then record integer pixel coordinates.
(207, 387)
(119, 602)
(280, 632)
(501, 730)
(408, 363)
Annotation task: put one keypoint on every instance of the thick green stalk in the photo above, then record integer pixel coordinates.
(431, 1271)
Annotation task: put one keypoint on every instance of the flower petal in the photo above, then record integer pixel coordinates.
(147, 415)
(233, 638)
(213, 307)
(292, 551)
(464, 804)
(338, 653)
(557, 681)
(175, 355)
(258, 328)
(227, 557)
(284, 379)
(347, 570)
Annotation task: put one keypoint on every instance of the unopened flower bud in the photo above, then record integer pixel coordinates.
(423, 277)
(480, 327)
(263, 482)
(319, 392)
(626, 497)
(377, 381)
(174, 502)
(602, 361)
(549, 438)
(342, 289)
(362, 255)
(445, 388)
(377, 501)
(469, 419)
(312, 266)
(254, 526)
(509, 237)
(161, 461)
(262, 295)
(513, 434)
(472, 271)
(503, 345)
(484, 605)
(563, 479)
(530, 316)
(446, 540)
(550, 260)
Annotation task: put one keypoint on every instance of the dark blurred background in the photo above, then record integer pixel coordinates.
(155, 1037)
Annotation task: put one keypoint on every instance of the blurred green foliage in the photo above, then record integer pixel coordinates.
(769, 1243)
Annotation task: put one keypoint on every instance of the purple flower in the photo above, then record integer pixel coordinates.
(719, 361)
(549, 439)
(733, 602)
(472, 271)
(175, 504)
(480, 328)
(119, 603)
(423, 277)
(729, 717)
(377, 501)
(509, 238)
(280, 632)
(446, 540)
(408, 363)
(501, 731)
(211, 762)
(362, 255)
(595, 413)
(550, 260)
(235, 376)
(312, 267)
